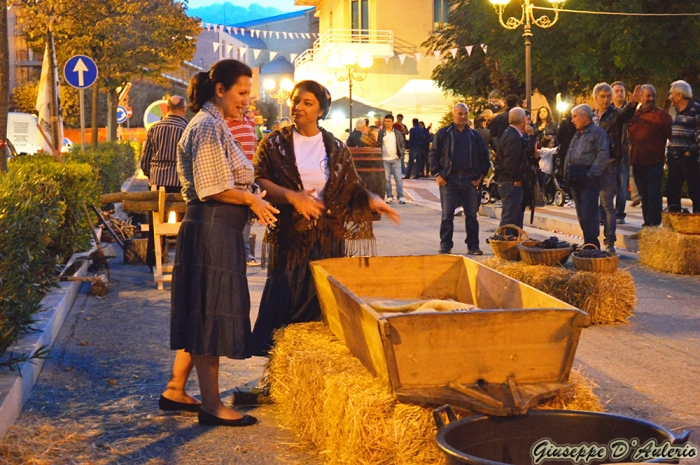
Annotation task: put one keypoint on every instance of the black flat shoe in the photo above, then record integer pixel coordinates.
(207, 419)
(172, 406)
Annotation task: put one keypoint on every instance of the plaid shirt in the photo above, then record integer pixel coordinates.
(208, 159)
(159, 158)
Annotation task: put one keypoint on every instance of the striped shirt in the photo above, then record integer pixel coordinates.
(684, 131)
(208, 159)
(244, 132)
(159, 158)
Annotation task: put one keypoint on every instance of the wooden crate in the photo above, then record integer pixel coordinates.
(503, 358)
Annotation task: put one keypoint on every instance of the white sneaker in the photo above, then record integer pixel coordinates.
(402, 201)
(570, 204)
(390, 200)
(459, 211)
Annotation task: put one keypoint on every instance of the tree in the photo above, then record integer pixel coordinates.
(24, 100)
(4, 86)
(127, 39)
(578, 52)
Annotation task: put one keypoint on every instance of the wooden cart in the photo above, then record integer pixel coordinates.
(515, 350)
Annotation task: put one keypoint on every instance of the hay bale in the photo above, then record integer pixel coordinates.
(607, 297)
(665, 250)
(329, 399)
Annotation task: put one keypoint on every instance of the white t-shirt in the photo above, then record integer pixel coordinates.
(389, 146)
(312, 161)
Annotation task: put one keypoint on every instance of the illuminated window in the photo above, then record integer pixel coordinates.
(441, 12)
(360, 16)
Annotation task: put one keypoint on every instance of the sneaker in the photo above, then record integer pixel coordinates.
(610, 248)
(444, 251)
(402, 202)
(475, 252)
(570, 204)
(638, 235)
(620, 221)
(459, 211)
(636, 203)
(251, 261)
(390, 200)
(498, 204)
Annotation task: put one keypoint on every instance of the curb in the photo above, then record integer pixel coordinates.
(15, 388)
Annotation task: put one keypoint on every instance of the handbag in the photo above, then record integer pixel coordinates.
(576, 175)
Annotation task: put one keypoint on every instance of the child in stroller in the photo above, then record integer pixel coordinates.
(552, 173)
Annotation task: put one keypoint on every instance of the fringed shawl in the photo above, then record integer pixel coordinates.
(347, 219)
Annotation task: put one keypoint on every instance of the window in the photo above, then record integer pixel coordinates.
(360, 16)
(441, 12)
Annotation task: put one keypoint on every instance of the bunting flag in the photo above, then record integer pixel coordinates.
(484, 47)
(293, 56)
(242, 51)
(228, 28)
(242, 31)
(453, 51)
(402, 57)
(308, 36)
(235, 30)
(469, 49)
(256, 53)
(437, 53)
(285, 35)
(277, 35)
(418, 57)
(216, 46)
(257, 33)
(386, 59)
(264, 34)
(208, 26)
(273, 55)
(229, 47)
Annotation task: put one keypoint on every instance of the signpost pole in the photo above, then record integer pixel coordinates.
(82, 120)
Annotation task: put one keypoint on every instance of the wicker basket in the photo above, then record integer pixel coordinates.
(536, 256)
(685, 223)
(601, 265)
(666, 220)
(508, 250)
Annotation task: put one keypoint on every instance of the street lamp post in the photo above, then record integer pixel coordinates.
(282, 94)
(527, 19)
(344, 68)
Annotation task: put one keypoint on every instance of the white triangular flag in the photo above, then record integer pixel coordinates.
(453, 51)
(256, 53)
(277, 35)
(437, 54)
(216, 45)
(418, 57)
(43, 100)
(228, 28)
(242, 31)
(242, 51)
(386, 59)
(257, 33)
(293, 56)
(264, 34)
(285, 35)
(469, 49)
(272, 55)
(484, 47)
(402, 57)
(229, 47)
(235, 30)
(208, 26)
(308, 36)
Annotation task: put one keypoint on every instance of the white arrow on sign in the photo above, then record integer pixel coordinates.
(80, 68)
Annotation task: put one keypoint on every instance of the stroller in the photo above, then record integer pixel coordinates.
(554, 186)
(489, 188)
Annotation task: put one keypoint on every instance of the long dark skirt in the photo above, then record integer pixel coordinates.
(210, 309)
(289, 297)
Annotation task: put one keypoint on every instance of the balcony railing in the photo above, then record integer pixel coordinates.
(341, 38)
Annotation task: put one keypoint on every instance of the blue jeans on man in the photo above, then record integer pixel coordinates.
(512, 201)
(650, 180)
(393, 168)
(415, 155)
(623, 182)
(586, 200)
(608, 188)
(459, 191)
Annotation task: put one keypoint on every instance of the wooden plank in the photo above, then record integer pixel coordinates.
(152, 206)
(147, 196)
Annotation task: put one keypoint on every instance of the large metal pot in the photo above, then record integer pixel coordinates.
(520, 440)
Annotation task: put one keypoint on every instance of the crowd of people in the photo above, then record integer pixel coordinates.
(300, 182)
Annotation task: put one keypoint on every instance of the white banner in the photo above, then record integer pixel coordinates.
(256, 53)
(285, 35)
(469, 49)
(484, 47)
(418, 57)
(272, 55)
(437, 54)
(208, 26)
(229, 47)
(453, 51)
(386, 59)
(242, 51)
(216, 45)
(235, 30)
(402, 57)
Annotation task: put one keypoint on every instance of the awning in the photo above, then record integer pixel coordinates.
(420, 95)
(359, 109)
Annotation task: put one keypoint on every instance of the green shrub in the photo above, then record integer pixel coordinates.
(113, 162)
(41, 224)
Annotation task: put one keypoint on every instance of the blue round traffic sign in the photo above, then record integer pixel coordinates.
(80, 71)
(122, 114)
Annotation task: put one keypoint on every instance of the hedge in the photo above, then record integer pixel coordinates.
(113, 162)
(41, 225)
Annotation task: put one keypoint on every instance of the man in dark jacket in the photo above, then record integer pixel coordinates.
(356, 135)
(459, 159)
(500, 122)
(416, 144)
(515, 149)
(612, 120)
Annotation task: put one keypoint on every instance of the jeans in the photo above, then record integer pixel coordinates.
(459, 191)
(393, 168)
(586, 200)
(512, 199)
(608, 187)
(650, 180)
(246, 239)
(415, 155)
(623, 182)
(680, 170)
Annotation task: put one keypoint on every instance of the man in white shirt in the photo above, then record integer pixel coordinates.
(393, 148)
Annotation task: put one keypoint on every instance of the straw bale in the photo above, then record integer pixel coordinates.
(333, 404)
(607, 297)
(665, 250)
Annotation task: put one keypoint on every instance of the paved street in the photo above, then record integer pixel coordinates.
(110, 361)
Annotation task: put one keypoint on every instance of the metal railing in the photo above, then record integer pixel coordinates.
(345, 36)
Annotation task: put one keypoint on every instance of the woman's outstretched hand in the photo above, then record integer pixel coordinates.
(307, 204)
(263, 209)
(380, 206)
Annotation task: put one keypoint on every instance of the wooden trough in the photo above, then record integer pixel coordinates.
(514, 350)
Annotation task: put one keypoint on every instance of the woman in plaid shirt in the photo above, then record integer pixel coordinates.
(210, 300)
